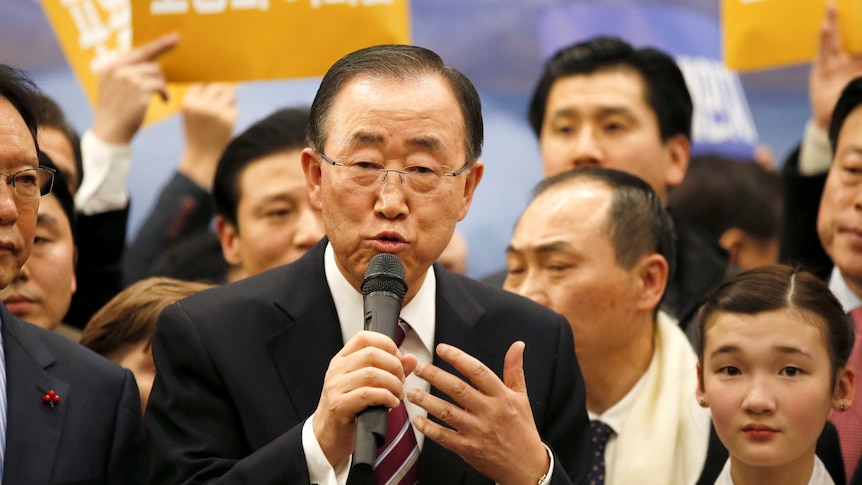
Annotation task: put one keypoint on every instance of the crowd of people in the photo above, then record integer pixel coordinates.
(662, 318)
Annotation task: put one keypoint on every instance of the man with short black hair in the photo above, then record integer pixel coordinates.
(604, 103)
(55, 391)
(261, 381)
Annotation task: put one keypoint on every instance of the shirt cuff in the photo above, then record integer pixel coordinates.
(545, 480)
(815, 154)
(106, 172)
(319, 469)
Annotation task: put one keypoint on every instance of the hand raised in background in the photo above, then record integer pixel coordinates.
(209, 115)
(126, 84)
(833, 68)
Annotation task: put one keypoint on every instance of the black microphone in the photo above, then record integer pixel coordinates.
(383, 291)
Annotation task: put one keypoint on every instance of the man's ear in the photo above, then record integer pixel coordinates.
(732, 240)
(678, 156)
(652, 271)
(472, 177)
(228, 236)
(311, 169)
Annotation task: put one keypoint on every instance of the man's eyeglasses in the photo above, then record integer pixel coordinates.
(31, 183)
(421, 179)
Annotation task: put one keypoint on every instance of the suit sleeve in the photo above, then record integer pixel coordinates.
(566, 427)
(799, 241)
(194, 433)
(100, 241)
(182, 209)
(127, 462)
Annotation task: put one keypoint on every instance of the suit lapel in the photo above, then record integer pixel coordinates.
(34, 428)
(302, 350)
(457, 315)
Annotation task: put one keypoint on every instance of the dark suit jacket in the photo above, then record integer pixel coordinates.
(100, 241)
(799, 241)
(183, 209)
(93, 436)
(240, 368)
(857, 475)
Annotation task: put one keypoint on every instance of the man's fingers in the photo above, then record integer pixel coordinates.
(513, 368)
(151, 50)
(441, 409)
(830, 37)
(472, 368)
(445, 437)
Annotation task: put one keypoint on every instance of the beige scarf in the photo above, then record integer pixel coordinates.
(663, 440)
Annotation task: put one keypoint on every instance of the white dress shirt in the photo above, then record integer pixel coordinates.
(419, 313)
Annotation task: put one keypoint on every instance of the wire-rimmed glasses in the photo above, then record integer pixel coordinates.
(421, 179)
(31, 183)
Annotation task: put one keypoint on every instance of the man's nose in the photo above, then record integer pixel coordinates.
(585, 149)
(309, 229)
(392, 199)
(8, 203)
(532, 287)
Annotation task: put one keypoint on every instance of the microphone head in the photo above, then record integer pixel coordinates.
(385, 272)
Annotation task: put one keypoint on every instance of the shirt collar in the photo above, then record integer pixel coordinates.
(420, 313)
(616, 415)
(842, 292)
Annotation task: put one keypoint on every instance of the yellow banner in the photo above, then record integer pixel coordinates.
(761, 34)
(91, 32)
(241, 40)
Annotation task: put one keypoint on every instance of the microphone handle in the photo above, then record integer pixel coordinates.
(382, 312)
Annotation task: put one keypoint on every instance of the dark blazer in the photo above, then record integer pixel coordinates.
(93, 436)
(240, 368)
(857, 475)
(183, 209)
(100, 239)
(799, 241)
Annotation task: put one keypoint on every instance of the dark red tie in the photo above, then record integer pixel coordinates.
(849, 422)
(398, 459)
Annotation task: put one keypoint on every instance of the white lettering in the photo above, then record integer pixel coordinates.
(120, 12)
(349, 3)
(249, 4)
(721, 113)
(91, 30)
(209, 6)
(168, 7)
(205, 7)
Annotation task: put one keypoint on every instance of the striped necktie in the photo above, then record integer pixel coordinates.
(398, 459)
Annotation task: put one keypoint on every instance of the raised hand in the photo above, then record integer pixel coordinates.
(209, 115)
(126, 84)
(492, 426)
(832, 69)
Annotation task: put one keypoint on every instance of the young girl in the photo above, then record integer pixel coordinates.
(772, 345)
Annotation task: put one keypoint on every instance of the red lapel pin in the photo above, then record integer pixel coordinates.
(51, 398)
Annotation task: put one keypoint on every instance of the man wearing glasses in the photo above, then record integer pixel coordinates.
(66, 414)
(261, 381)
(42, 291)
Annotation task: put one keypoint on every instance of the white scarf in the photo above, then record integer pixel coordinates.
(665, 436)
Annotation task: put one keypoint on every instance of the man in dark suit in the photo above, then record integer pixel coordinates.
(68, 416)
(260, 381)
